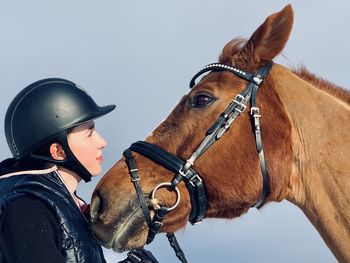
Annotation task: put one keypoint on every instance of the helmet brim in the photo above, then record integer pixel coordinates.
(99, 112)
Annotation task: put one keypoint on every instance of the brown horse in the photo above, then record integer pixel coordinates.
(305, 123)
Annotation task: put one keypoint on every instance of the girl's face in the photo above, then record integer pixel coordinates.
(86, 144)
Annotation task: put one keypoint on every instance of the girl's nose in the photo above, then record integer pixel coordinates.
(101, 141)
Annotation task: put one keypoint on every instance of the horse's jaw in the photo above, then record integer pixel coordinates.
(125, 230)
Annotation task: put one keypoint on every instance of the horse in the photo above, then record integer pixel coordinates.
(293, 145)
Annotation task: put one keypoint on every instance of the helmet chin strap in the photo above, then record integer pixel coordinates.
(70, 162)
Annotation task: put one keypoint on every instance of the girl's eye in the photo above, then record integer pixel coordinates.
(202, 100)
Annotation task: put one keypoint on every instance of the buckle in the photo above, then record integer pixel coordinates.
(257, 80)
(194, 178)
(255, 112)
(238, 99)
(241, 109)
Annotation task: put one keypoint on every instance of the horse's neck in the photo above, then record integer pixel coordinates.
(320, 182)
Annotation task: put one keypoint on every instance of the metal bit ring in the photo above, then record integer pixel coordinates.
(176, 191)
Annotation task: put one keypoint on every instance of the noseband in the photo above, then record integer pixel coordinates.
(183, 170)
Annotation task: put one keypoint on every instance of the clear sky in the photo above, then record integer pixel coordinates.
(141, 55)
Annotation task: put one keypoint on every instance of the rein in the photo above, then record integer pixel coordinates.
(183, 170)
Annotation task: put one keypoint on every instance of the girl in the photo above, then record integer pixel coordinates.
(50, 130)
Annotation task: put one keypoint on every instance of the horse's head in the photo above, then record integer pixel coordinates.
(230, 168)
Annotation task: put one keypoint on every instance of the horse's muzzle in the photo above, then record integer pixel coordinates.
(121, 228)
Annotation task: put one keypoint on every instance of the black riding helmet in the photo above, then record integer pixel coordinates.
(42, 113)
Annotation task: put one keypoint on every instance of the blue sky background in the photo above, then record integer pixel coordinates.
(141, 55)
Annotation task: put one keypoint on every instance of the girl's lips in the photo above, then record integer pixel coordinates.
(100, 159)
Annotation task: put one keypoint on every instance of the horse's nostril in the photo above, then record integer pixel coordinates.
(96, 207)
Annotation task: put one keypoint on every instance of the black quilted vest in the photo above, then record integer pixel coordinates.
(78, 244)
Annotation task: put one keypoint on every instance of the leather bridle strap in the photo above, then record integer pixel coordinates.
(135, 179)
(183, 169)
(193, 182)
(236, 107)
(176, 247)
(154, 225)
(222, 67)
(255, 113)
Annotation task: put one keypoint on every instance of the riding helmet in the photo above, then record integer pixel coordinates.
(43, 112)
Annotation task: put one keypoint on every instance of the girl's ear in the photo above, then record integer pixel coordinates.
(57, 152)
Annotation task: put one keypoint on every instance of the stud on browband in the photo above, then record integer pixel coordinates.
(222, 67)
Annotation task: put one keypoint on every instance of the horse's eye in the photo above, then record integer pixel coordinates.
(202, 100)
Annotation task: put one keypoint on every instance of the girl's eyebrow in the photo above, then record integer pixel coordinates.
(91, 126)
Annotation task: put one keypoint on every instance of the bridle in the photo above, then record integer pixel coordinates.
(183, 170)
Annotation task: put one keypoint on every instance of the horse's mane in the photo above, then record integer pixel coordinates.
(323, 84)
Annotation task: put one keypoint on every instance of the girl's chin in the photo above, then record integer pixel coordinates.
(96, 171)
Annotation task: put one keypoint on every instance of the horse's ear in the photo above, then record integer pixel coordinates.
(265, 43)
(271, 37)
